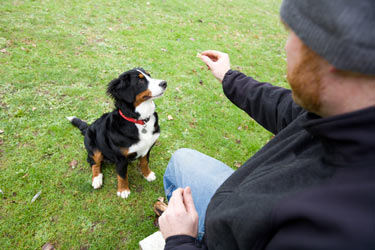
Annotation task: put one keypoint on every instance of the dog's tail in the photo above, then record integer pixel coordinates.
(78, 123)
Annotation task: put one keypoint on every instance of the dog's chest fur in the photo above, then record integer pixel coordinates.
(146, 140)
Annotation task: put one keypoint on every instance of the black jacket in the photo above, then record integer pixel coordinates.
(311, 187)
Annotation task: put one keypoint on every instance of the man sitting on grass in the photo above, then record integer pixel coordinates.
(313, 185)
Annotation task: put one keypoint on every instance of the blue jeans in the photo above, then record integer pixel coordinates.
(201, 173)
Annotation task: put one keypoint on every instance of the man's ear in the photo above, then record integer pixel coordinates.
(121, 89)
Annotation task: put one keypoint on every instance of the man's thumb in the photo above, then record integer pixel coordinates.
(188, 200)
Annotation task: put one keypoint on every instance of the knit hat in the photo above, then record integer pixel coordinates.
(341, 31)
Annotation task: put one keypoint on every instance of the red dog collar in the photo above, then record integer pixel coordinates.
(142, 122)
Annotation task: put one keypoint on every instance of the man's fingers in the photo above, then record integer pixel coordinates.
(214, 54)
(207, 61)
(176, 202)
(188, 200)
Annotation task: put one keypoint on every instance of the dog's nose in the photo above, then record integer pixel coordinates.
(163, 84)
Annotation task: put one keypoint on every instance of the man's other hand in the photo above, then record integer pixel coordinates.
(181, 217)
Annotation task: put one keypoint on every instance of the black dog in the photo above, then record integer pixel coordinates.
(126, 133)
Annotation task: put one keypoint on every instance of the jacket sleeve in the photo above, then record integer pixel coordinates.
(182, 242)
(271, 106)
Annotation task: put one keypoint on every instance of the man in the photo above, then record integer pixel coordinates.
(313, 185)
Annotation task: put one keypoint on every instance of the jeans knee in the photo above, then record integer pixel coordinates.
(178, 158)
(181, 153)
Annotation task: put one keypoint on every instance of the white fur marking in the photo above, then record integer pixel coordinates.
(70, 118)
(151, 177)
(145, 140)
(153, 85)
(146, 109)
(124, 194)
(97, 182)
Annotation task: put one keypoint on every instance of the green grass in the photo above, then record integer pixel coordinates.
(55, 61)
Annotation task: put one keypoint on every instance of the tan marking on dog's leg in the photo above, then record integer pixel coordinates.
(145, 170)
(98, 158)
(97, 176)
(123, 190)
(124, 151)
(95, 170)
(143, 165)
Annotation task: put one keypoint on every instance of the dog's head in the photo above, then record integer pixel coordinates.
(135, 87)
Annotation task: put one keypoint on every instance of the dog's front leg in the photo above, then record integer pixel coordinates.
(123, 190)
(95, 162)
(145, 170)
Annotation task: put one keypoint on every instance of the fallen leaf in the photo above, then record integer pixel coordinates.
(1, 131)
(237, 164)
(33, 109)
(170, 117)
(238, 141)
(165, 50)
(1, 142)
(178, 90)
(73, 164)
(159, 208)
(48, 246)
(200, 82)
(36, 196)
(3, 50)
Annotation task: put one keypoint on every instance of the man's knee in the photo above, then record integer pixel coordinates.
(182, 153)
(179, 159)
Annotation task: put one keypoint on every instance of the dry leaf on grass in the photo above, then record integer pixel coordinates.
(48, 246)
(160, 207)
(73, 164)
(36, 196)
(237, 164)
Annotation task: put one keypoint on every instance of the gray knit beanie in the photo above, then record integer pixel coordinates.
(341, 31)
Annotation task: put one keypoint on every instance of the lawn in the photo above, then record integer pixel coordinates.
(56, 58)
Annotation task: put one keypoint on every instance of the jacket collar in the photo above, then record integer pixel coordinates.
(348, 138)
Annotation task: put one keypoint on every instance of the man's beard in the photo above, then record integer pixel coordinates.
(305, 81)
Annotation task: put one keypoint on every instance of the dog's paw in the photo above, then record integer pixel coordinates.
(123, 194)
(151, 177)
(97, 181)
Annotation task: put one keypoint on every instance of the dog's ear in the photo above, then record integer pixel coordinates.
(121, 89)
